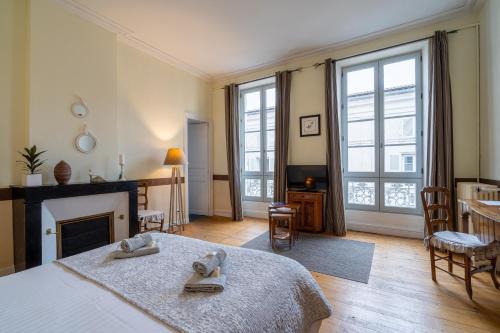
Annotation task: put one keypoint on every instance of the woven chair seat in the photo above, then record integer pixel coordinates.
(150, 215)
(467, 244)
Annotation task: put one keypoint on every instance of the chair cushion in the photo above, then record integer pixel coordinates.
(150, 215)
(467, 244)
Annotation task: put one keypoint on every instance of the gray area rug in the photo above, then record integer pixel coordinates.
(329, 255)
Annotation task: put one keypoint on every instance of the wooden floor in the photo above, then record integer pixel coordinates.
(400, 296)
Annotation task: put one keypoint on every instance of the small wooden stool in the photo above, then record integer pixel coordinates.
(288, 234)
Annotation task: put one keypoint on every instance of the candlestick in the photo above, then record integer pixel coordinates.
(121, 159)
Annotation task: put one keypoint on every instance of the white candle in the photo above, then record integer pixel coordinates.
(121, 159)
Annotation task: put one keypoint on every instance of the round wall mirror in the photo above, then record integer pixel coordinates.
(85, 143)
(79, 110)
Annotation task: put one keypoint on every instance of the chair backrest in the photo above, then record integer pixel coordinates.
(437, 209)
(142, 193)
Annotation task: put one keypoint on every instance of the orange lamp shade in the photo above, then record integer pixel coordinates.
(175, 156)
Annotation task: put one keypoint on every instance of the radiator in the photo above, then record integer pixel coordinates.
(478, 191)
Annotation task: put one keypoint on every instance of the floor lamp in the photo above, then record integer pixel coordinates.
(176, 218)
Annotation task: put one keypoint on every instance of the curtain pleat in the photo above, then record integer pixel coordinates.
(233, 149)
(283, 85)
(440, 138)
(335, 215)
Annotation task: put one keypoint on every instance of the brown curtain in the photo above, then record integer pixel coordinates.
(233, 149)
(440, 138)
(335, 215)
(283, 84)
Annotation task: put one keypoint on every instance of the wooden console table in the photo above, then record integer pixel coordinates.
(485, 219)
(311, 213)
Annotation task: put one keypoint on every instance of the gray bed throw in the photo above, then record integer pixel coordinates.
(136, 242)
(264, 292)
(206, 264)
(150, 248)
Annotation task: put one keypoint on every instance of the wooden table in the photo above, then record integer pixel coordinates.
(294, 211)
(485, 219)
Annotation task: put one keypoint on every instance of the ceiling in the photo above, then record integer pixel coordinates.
(215, 38)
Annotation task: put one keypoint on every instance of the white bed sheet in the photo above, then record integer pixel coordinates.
(53, 299)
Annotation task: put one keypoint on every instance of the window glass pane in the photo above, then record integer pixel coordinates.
(399, 130)
(252, 161)
(252, 141)
(399, 74)
(403, 195)
(270, 98)
(399, 88)
(252, 187)
(270, 140)
(360, 94)
(270, 189)
(361, 159)
(400, 158)
(360, 133)
(270, 161)
(252, 101)
(252, 121)
(271, 119)
(361, 193)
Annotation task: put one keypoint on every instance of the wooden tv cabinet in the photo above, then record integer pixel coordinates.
(311, 209)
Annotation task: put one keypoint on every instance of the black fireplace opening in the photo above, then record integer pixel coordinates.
(84, 234)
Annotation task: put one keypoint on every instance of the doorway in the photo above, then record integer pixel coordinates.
(198, 174)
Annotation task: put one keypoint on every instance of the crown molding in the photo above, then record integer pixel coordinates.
(469, 6)
(127, 36)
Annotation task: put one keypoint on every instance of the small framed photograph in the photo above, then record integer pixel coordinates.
(310, 125)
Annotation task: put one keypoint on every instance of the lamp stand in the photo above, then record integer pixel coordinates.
(176, 218)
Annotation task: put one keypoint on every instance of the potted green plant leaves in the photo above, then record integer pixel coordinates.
(31, 163)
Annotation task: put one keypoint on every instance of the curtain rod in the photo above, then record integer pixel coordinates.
(267, 77)
(316, 65)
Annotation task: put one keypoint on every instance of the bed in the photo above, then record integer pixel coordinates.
(91, 292)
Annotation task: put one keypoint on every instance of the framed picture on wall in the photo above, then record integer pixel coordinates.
(310, 125)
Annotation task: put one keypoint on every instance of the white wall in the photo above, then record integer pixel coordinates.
(490, 93)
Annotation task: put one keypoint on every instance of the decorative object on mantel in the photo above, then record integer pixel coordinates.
(176, 217)
(79, 109)
(85, 142)
(95, 179)
(121, 161)
(310, 125)
(32, 164)
(62, 173)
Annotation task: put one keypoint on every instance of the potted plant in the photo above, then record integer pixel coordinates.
(32, 163)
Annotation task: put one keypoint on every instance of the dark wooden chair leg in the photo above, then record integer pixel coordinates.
(494, 273)
(450, 261)
(468, 282)
(433, 263)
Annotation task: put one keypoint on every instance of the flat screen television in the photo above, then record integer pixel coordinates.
(297, 174)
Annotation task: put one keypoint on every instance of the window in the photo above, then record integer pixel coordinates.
(257, 142)
(382, 136)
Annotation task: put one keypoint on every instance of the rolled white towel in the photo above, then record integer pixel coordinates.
(206, 265)
(151, 248)
(136, 242)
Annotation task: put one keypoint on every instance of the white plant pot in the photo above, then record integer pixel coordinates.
(33, 180)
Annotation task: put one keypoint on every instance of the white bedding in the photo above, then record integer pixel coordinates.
(51, 298)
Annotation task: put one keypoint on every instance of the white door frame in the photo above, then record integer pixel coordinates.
(191, 116)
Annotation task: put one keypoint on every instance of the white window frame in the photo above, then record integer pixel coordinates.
(380, 176)
(264, 174)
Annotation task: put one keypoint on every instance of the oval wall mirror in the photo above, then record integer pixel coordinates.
(85, 143)
(79, 110)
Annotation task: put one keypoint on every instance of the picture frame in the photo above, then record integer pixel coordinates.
(310, 125)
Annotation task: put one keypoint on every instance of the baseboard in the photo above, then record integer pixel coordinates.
(7, 270)
(384, 230)
(198, 212)
(222, 212)
(259, 214)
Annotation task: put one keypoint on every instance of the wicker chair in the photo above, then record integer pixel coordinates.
(146, 216)
(436, 203)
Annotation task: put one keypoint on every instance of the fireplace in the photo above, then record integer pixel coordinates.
(84, 233)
